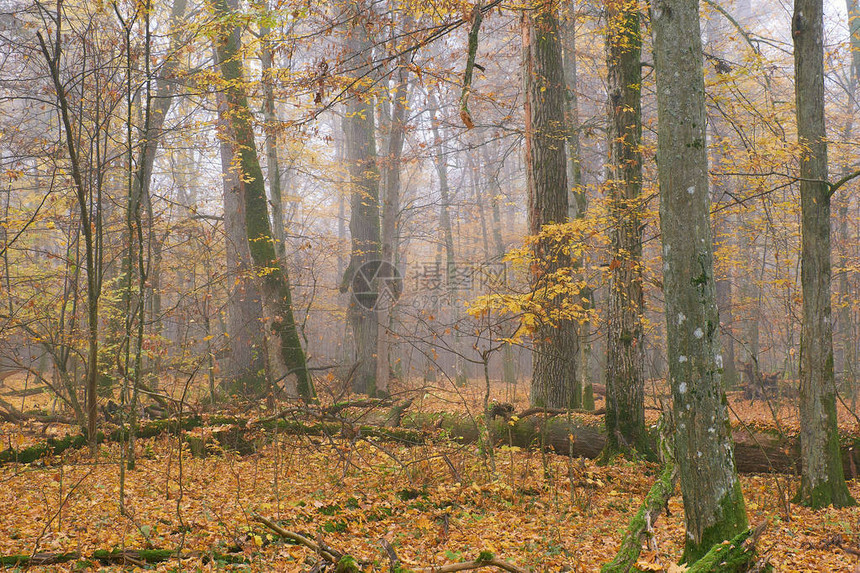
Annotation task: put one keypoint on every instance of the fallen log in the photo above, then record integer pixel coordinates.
(138, 557)
(38, 559)
(231, 434)
(144, 556)
(756, 450)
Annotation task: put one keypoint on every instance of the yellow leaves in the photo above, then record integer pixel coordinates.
(560, 268)
(423, 523)
(646, 566)
(266, 271)
(296, 552)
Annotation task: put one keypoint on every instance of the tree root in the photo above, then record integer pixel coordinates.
(735, 556)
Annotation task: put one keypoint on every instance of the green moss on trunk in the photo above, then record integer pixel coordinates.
(655, 502)
(274, 277)
(735, 556)
(732, 518)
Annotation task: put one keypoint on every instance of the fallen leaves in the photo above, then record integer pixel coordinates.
(352, 494)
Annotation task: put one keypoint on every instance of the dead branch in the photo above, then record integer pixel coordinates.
(298, 538)
(476, 564)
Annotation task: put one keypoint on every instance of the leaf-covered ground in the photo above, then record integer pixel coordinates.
(435, 503)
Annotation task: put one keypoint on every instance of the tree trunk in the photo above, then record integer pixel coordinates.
(273, 164)
(90, 225)
(713, 502)
(391, 213)
(578, 202)
(245, 360)
(625, 385)
(554, 378)
(751, 297)
(358, 126)
(509, 370)
(285, 359)
(822, 481)
(441, 162)
(845, 323)
(723, 222)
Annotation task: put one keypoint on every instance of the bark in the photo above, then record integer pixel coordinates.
(578, 202)
(625, 383)
(441, 163)
(391, 213)
(360, 132)
(713, 502)
(554, 379)
(822, 480)
(846, 362)
(285, 358)
(245, 360)
(509, 370)
(273, 164)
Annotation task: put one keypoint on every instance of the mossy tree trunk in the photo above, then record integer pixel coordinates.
(822, 480)
(273, 163)
(640, 527)
(713, 504)
(244, 363)
(556, 346)
(625, 385)
(285, 358)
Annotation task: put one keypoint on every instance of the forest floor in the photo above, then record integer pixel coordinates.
(435, 503)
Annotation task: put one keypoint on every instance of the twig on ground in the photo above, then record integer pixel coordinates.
(298, 538)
